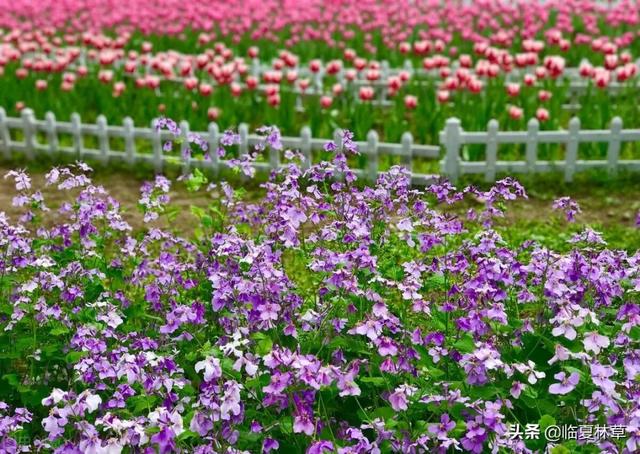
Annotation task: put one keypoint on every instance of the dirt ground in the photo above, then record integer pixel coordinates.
(605, 204)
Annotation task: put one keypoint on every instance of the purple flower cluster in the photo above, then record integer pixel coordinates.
(322, 316)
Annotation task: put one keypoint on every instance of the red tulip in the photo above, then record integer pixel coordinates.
(315, 65)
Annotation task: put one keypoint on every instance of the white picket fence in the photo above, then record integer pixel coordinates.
(452, 139)
(130, 135)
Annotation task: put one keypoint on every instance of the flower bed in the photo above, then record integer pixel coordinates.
(324, 316)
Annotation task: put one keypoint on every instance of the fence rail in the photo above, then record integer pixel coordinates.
(453, 139)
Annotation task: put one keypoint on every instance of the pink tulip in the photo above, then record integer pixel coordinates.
(366, 93)
(205, 89)
(542, 114)
(326, 101)
(213, 113)
(274, 101)
(513, 90)
(190, 83)
(251, 82)
(544, 95)
(410, 102)
(236, 89)
(515, 112)
(443, 96)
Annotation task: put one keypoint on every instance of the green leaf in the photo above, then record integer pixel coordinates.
(12, 379)
(196, 181)
(264, 346)
(465, 344)
(375, 381)
(546, 421)
(74, 357)
(57, 331)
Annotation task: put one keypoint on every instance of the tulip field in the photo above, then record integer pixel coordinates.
(317, 304)
(315, 65)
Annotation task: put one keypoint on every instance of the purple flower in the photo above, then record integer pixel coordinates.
(399, 398)
(230, 138)
(441, 430)
(569, 206)
(567, 383)
(272, 138)
(594, 342)
(600, 376)
(165, 439)
(320, 447)
(269, 444)
(303, 424)
(211, 367)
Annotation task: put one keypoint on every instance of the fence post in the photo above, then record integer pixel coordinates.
(274, 158)
(29, 132)
(255, 68)
(407, 151)
(531, 153)
(408, 66)
(384, 75)
(243, 132)
(76, 132)
(214, 139)
(372, 156)
(491, 151)
(451, 139)
(129, 141)
(103, 139)
(613, 152)
(243, 147)
(156, 146)
(5, 137)
(305, 146)
(185, 155)
(52, 132)
(337, 139)
(572, 149)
